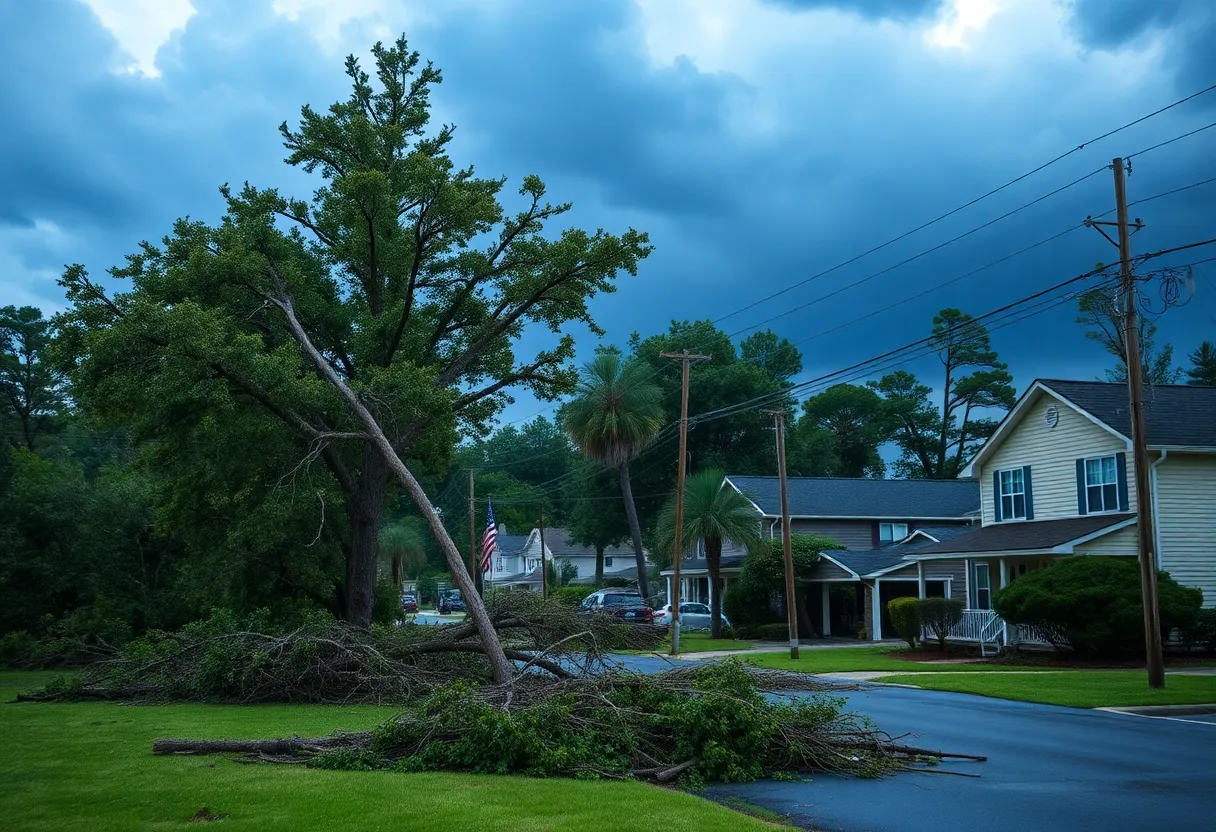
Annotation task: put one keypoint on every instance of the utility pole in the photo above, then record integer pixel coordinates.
(1135, 385)
(791, 599)
(544, 567)
(677, 552)
(474, 571)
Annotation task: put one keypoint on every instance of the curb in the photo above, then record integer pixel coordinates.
(1163, 710)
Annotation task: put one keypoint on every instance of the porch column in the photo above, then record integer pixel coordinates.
(710, 583)
(668, 580)
(920, 579)
(876, 613)
(967, 583)
(1004, 574)
(827, 608)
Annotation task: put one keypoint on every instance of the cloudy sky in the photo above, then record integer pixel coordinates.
(760, 142)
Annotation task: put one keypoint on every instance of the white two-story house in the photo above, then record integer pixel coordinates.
(1057, 478)
(516, 560)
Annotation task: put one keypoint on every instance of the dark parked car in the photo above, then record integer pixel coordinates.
(624, 604)
(409, 603)
(450, 604)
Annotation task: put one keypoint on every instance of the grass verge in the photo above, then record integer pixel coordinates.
(1075, 688)
(89, 767)
(844, 659)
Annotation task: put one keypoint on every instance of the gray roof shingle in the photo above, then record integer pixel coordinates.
(848, 497)
(1174, 414)
(1030, 536)
(559, 543)
(870, 560)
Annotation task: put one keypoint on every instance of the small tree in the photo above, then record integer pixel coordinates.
(905, 618)
(940, 616)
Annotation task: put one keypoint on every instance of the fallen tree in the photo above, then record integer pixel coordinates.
(719, 722)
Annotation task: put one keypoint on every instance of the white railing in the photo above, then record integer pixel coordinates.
(1023, 634)
(973, 625)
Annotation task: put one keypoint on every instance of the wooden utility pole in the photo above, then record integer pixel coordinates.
(677, 552)
(1140, 462)
(791, 599)
(544, 567)
(474, 572)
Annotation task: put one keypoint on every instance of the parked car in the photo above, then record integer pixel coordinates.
(693, 616)
(625, 604)
(409, 603)
(451, 603)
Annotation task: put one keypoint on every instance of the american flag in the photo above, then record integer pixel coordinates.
(489, 541)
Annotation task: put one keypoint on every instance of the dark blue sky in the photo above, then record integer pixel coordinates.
(758, 141)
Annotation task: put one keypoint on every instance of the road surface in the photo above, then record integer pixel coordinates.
(1049, 768)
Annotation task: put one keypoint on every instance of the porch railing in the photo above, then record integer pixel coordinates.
(974, 626)
(986, 627)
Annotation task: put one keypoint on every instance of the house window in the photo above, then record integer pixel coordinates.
(607, 561)
(499, 567)
(1102, 484)
(983, 587)
(1013, 495)
(890, 532)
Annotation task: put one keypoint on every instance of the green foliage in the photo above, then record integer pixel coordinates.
(31, 387)
(905, 618)
(770, 631)
(1202, 372)
(388, 602)
(571, 596)
(939, 616)
(749, 600)
(596, 515)
(1092, 605)
(1100, 314)
(405, 270)
(852, 423)
(938, 444)
(1203, 631)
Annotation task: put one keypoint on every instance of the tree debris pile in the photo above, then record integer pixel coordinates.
(718, 722)
(246, 660)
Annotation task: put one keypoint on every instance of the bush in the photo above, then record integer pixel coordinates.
(939, 616)
(571, 595)
(1092, 605)
(1203, 632)
(772, 631)
(905, 618)
(610, 583)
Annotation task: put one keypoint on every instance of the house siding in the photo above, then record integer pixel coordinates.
(1186, 509)
(825, 570)
(954, 571)
(1122, 542)
(1052, 455)
(851, 534)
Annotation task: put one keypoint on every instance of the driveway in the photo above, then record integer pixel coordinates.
(1049, 768)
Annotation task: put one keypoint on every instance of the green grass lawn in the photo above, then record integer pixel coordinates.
(702, 643)
(89, 767)
(1075, 688)
(842, 659)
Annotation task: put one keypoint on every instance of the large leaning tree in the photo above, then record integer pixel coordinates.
(373, 323)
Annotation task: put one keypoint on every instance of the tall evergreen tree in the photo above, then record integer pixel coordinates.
(1202, 372)
(1102, 318)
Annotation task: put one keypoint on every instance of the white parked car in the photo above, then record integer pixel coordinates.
(693, 616)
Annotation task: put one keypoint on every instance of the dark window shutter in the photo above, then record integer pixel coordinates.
(996, 496)
(1081, 506)
(1029, 494)
(1121, 479)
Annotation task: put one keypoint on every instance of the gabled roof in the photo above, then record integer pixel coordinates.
(1174, 414)
(866, 562)
(512, 544)
(1029, 536)
(559, 544)
(844, 497)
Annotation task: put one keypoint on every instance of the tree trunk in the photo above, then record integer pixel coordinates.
(503, 670)
(365, 507)
(599, 566)
(713, 561)
(635, 531)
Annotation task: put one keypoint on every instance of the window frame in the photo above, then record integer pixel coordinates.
(987, 588)
(607, 561)
(893, 538)
(1010, 515)
(1102, 487)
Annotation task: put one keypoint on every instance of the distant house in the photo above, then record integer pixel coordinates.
(1057, 478)
(879, 521)
(516, 563)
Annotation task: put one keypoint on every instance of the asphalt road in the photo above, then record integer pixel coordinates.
(1049, 768)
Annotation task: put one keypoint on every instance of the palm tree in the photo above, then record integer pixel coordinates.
(617, 413)
(403, 550)
(712, 514)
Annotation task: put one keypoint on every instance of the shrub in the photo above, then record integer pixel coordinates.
(939, 616)
(905, 618)
(610, 583)
(1203, 631)
(571, 595)
(771, 631)
(1092, 605)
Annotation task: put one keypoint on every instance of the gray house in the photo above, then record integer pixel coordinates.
(879, 521)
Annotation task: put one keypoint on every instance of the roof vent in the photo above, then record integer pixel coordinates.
(1051, 416)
